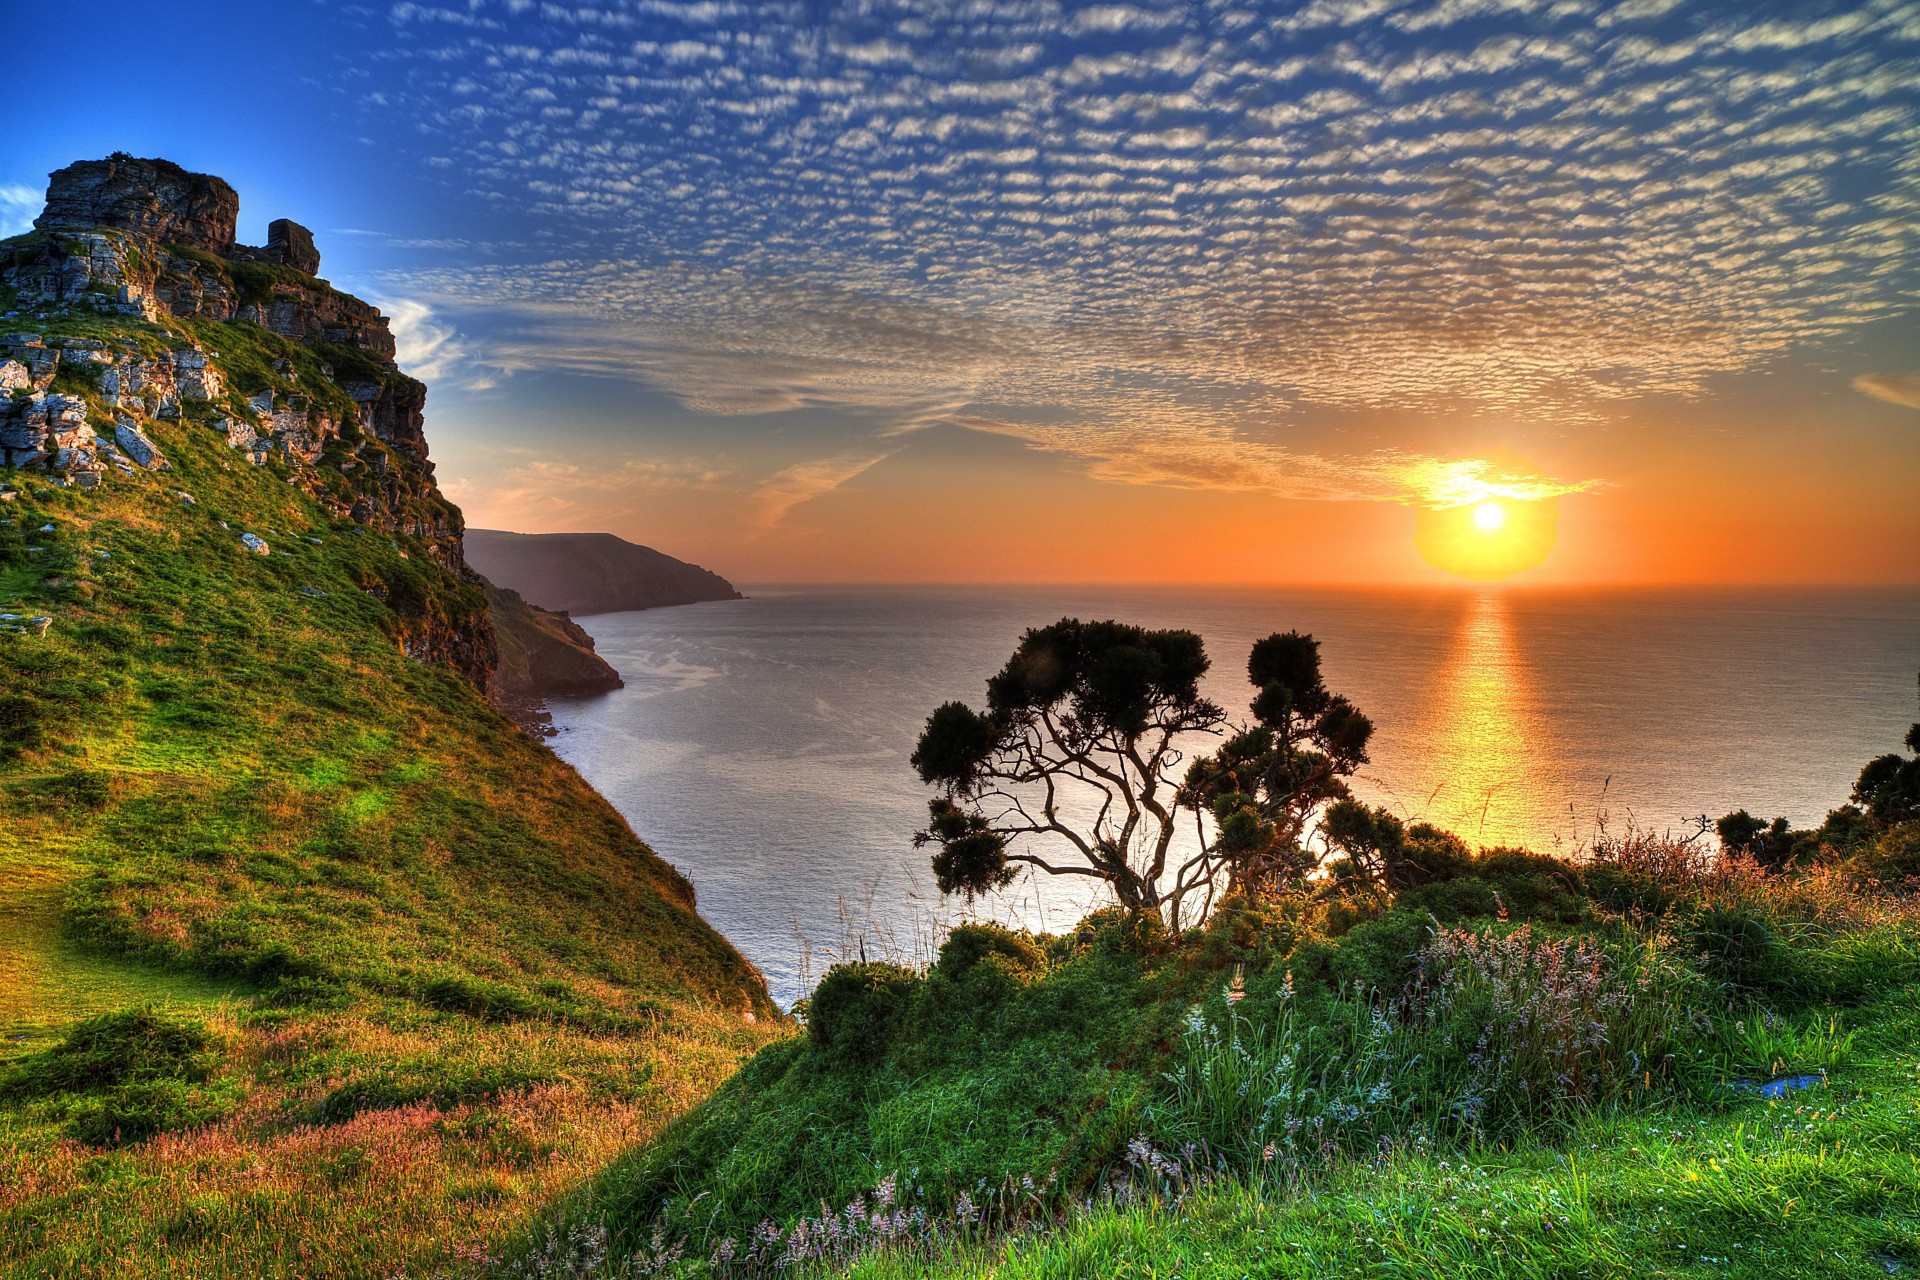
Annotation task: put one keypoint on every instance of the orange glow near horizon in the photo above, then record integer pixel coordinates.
(1487, 540)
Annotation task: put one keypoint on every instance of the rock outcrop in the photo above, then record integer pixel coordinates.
(151, 248)
(156, 199)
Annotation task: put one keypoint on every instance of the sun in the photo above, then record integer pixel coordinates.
(1489, 538)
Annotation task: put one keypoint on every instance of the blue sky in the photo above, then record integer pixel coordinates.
(759, 282)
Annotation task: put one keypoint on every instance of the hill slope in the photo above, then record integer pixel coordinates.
(587, 573)
(542, 655)
(247, 774)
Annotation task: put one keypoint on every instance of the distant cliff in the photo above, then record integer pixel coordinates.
(542, 655)
(585, 573)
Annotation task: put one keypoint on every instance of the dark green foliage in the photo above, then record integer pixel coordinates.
(858, 1009)
(125, 1076)
(77, 790)
(1082, 718)
(20, 725)
(1265, 786)
(1741, 946)
(1893, 860)
(1741, 832)
(972, 856)
(463, 993)
(1013, 1056)
(443, 1083)
(1889, 787)
(974, 946)
(955, 746)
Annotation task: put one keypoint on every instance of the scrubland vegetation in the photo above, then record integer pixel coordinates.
(1667, 1057)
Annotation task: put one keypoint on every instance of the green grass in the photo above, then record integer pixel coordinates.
(227, 796)
(1261, 1096)
(1825, 1183)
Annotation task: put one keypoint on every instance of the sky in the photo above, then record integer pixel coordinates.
(1017, 290)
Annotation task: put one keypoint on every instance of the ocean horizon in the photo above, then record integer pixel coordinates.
(762, 745)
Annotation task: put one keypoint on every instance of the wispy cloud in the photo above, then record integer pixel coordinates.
(19, 206)
(432, 350)
(1894, 388)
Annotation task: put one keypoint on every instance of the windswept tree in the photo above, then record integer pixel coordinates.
(1268, 786)
(1075, 767)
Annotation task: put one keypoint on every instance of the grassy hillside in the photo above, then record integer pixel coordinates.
(1522, 1067)
(305, 952)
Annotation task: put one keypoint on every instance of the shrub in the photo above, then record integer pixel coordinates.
(113, 1049)
(478, 997)
(125, 1076)
(857, 1010)
(1893, 860)
(1738, 943)
(969, 945)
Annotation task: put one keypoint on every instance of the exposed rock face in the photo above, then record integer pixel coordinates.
(148, 240)
(291, 245)
(542, 655)
(152, 198)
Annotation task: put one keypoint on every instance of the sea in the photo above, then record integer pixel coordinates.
(761, 745)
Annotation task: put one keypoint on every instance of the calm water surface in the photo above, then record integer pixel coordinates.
(761, 745)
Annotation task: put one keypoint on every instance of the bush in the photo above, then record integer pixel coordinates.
(478, 997)
(857, 1010)
(969, 945)
(1739, 944)
(1893, 860)
(125, 1076)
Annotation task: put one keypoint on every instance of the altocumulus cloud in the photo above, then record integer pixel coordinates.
(1147, 235)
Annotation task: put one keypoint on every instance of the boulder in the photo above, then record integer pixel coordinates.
(134, 443)
(14, 376)
(256, 544)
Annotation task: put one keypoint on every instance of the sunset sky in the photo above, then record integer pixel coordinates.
(1016, 290)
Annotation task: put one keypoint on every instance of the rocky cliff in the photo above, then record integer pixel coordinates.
(132, 302)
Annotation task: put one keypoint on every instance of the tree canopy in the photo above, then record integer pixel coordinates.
(1074, 767)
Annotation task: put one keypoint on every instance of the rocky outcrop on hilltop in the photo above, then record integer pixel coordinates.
(156, 199)
(182, 325)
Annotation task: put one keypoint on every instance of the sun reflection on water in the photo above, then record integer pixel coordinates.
(1483, 741)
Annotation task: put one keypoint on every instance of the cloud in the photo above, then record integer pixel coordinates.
(19, 206)
(534, 492)
(1155, 236)
(803, 482)
(1894, 388)
(432, 350)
